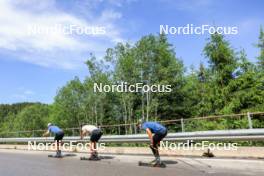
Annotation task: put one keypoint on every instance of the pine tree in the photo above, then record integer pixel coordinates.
(260, 45)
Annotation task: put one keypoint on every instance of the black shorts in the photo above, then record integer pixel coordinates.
(158, 137)
(59, 136)
(96, 135)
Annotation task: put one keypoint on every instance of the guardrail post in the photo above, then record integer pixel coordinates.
(249, 121)
(182, 125)
(72, 132)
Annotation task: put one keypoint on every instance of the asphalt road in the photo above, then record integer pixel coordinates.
(28, 163)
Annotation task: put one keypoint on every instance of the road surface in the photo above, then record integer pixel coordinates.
(36, 163)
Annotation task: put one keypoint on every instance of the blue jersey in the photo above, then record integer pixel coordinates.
(54, 129)
(154, 127)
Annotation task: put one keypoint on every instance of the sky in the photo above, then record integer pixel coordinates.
(35, 62)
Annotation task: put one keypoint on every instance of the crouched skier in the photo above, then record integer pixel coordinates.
(156, 132)
(59, 134)
(95, 134)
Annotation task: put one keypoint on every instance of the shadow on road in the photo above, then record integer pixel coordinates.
(169, 162)
(62, 156)
(107, 157)
(69, 154)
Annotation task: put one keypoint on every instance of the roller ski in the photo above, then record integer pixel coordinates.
(154, 163)
(58, 155)
(93, 157)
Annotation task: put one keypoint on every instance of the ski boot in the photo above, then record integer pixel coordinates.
(94, 156)
(58, 154)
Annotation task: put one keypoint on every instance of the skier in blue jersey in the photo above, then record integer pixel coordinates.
(59, 134)
(156, 132)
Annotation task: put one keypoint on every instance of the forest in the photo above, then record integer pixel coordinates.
(227, 82)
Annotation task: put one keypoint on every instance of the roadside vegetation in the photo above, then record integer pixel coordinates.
(225, 83)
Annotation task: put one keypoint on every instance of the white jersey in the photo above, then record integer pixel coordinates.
(89, 128)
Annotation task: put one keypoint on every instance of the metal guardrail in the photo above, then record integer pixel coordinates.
(219, 135)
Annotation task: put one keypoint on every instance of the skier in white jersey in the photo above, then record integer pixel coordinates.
(95, 134)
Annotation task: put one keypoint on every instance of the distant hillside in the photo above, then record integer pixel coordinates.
(15, 108)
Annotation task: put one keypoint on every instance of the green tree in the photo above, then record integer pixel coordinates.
(222, 59)
(34, 117)
(260, 45)
(68, 110)
(222, 66)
